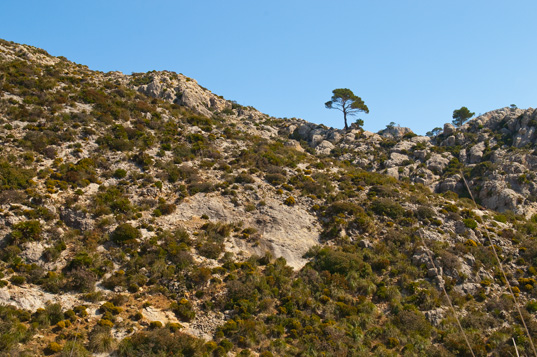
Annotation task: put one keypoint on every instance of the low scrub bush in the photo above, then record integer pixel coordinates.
(125, 233)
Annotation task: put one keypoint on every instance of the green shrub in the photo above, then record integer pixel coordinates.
(290, 201)
(105, 323)
(174, 326)
(386, 207)
(111, 308)
(125, 233)
(80, 310)
(167, 208)
(53, 348)
(74, 348)
(14, 178)
(531, 306)
(344, 207)
(226, 344)
(470, 223)
(211, 250)
(26, 231)
(340, 262)
(143, 160)
(112, 200)
(425, 212)
(17, 280)
(381, 191)
(275, 179)
(413, 321)
(160, 342)
(184, 310)
(120, 173)
(100, 340)
(155, 324)
(243, 177)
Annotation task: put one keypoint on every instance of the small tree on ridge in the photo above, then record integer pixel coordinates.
(344, 100)
(460, 116)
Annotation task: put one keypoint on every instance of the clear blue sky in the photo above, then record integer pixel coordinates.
(412, 61)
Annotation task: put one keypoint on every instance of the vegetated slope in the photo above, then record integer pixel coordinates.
(144, 215)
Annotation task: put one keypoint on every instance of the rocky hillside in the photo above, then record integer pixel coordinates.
(144, 215)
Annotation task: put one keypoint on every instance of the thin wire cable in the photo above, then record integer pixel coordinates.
(76, 335)
(514, 344)
(503, 272)
(447, 296)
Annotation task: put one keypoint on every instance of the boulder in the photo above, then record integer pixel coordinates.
(450, 141)
(435, 316)
(304, 132)
(462, 155)
(395, 132)
(151, 314)
(324, 148)
(393, 172)
(334, 136)
(424, 176)
(420, 154)
(449, 129)
(452, 183)
(437, 163)
(294, 144)
(396, 159)
(476, 152)
(316, 139)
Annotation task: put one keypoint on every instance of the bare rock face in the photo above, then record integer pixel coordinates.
(430, 235)
(524, 136)
(22, 51)
(422, 257)
(317, 135)
(495, 195)
(288, 231)
(177, 88)
(76, 219)
(191, 95)
(468, 288)
(285, 231)
(151, 313)
(31, 298)
(216, 208)
(159, 88)
(33, 252)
